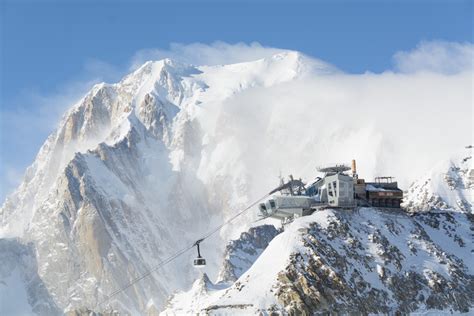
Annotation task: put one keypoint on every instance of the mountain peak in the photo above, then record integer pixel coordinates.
(291, 54)
(447, 186)
(155, 66)
(301, 63)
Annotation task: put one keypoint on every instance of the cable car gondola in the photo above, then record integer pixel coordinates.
(199, 262)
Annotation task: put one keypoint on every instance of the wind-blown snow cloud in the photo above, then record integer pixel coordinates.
(217, 53)
(27, 124)
(436, 56)
(393, 124)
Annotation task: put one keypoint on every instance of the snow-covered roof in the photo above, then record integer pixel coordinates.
(373, 188)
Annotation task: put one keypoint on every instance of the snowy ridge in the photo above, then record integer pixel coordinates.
(368, 261)
(163, 96)
(448, 186)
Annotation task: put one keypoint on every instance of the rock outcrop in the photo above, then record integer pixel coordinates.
(353, 262)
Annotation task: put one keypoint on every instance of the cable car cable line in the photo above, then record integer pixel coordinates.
(149, 272)
(182, 251)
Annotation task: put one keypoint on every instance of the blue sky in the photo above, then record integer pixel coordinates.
(54, 41)
(50, 50)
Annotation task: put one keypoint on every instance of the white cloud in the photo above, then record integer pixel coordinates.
(393, 124)
(436, 56)
(216, 53)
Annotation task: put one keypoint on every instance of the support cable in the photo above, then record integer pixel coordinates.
(181, 252)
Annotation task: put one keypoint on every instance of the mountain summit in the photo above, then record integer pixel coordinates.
(128, 177)
(143, 167)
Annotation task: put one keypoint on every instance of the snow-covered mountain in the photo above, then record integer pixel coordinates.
(139, 169)
(449, 185)
(130, 175)
(365, 261)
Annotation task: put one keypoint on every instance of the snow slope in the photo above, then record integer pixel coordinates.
(449, 185)
(368, 261)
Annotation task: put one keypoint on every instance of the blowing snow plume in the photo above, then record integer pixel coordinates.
(392, 123)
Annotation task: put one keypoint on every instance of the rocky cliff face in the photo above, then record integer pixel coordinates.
(381, 273)
(364, 262)
(88, 207)
(129, 177)
(241, 253)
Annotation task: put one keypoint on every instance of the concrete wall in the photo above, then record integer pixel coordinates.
(340, 190)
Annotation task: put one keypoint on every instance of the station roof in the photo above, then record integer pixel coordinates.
(372, 187)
